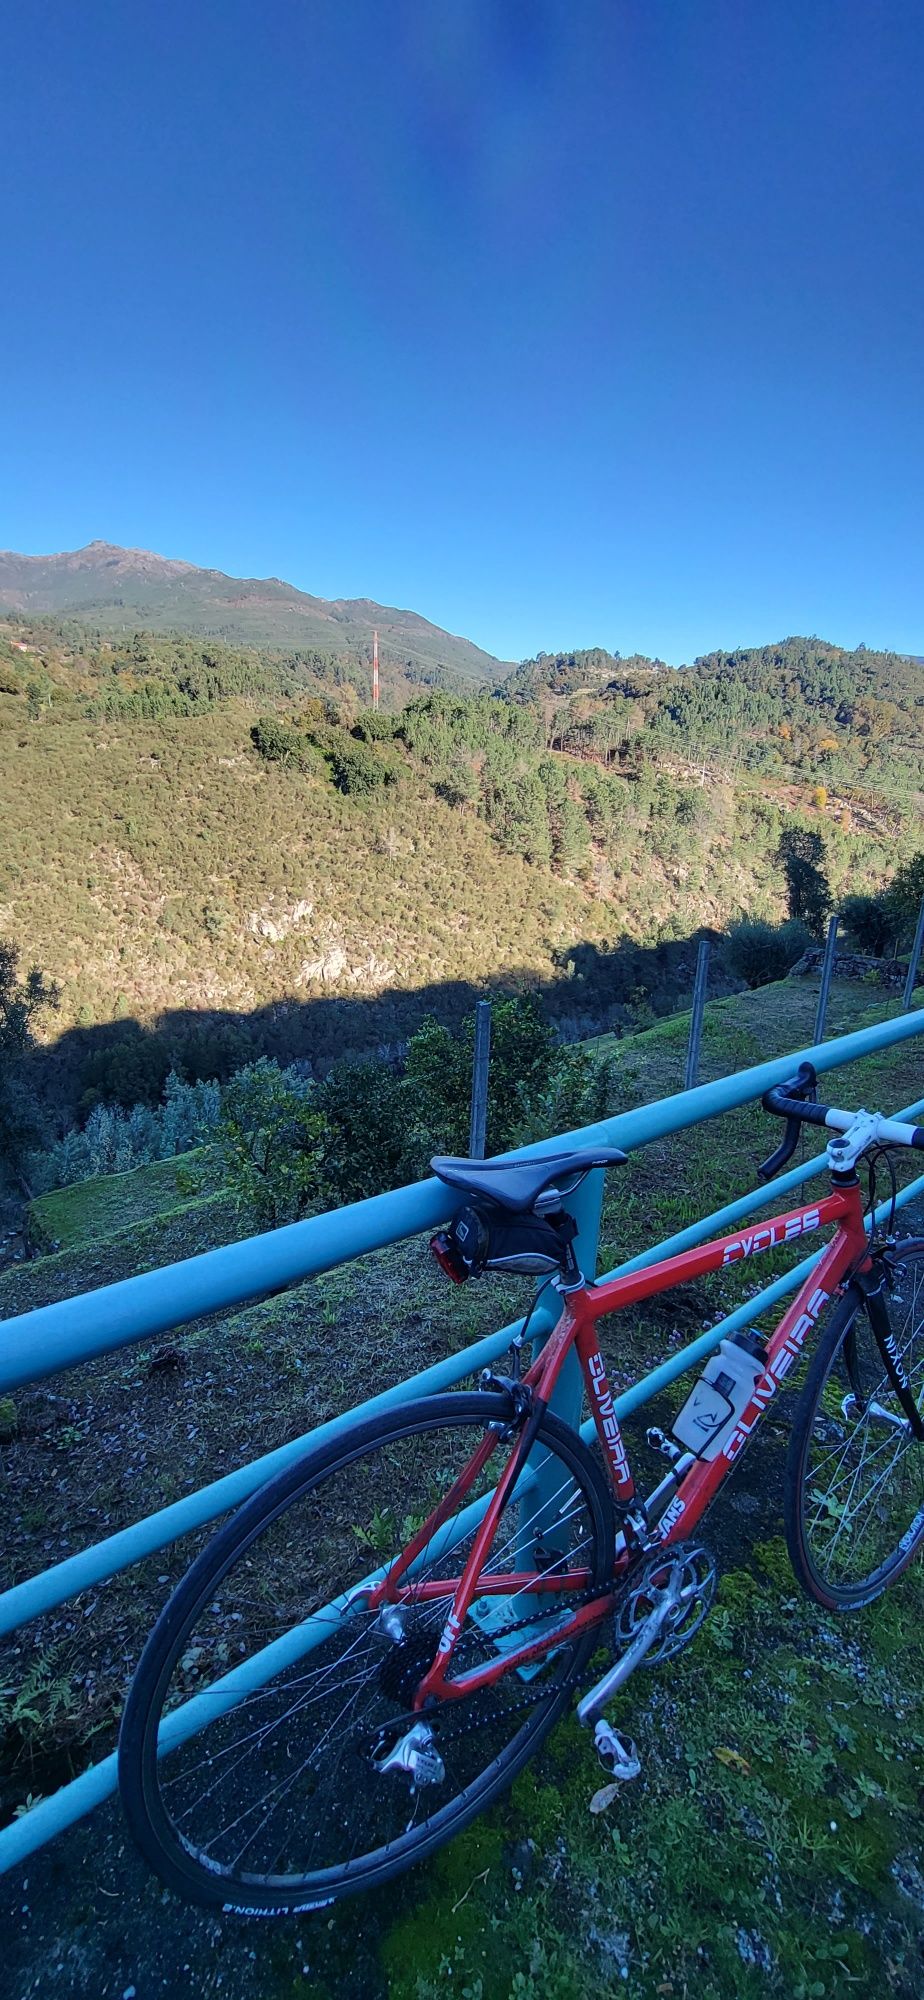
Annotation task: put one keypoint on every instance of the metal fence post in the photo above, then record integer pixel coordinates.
(585, 1205)
(700, 984)
(827, 973)
(480, 1061)
(914, 962)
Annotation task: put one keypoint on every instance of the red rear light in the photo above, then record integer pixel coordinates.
(443, 1250)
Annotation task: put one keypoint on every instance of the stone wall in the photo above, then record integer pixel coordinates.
(853, 965)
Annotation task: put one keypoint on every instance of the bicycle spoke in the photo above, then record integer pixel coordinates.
(284, 1782)
(863, 1479)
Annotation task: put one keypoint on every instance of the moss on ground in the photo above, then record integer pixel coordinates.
(768, 1847)
(716, 1874)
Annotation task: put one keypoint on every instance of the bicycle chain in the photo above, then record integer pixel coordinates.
(472, 1715)
(448, 1710)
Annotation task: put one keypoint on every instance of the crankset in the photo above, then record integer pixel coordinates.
(661, 1608)
(690, 1571)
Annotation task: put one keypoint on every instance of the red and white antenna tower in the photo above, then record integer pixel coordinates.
(375, 670)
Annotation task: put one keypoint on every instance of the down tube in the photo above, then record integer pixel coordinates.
(784, 1350)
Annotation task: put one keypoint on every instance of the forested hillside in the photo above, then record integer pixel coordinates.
(212, 834)
(114, 590)
(801, 709)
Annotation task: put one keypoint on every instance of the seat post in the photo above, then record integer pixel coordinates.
(585, 1204)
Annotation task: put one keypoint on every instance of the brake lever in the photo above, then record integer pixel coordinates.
(803, 1087)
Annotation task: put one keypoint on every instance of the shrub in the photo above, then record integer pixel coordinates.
(581, 1088)
(760, 953)
(871, 922)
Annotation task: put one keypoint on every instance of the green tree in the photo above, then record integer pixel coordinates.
(438, 1093)
(906, 894)
(438, 1079)
(872, 922)
(39, 694)
(357, 769)
(275, 740)
(270, 1140)
(363, 1105)
(21, 1002)
(801, 854)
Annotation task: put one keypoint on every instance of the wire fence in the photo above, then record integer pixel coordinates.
(40, 1343)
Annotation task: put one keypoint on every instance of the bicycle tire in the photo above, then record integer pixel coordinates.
(195, 1874)
(819, 1493)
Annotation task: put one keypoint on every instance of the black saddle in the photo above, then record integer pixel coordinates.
(517, 1184)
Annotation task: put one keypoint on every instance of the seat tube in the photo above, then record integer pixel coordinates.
(545, 1501)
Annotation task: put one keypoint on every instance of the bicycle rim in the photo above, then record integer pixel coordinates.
(275, 1803)
(856, 1489)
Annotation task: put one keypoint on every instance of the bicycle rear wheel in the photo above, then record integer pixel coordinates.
(854, 1498)
(276, 1803)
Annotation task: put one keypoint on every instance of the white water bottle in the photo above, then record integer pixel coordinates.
(722, 1393)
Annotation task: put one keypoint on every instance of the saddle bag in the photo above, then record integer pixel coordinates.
(484, 1237)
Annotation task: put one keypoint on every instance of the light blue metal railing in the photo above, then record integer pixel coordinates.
(39, 1343)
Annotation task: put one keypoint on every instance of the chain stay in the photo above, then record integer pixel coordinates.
(470, 1715)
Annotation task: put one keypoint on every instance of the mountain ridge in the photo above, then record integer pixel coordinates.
(116, 589)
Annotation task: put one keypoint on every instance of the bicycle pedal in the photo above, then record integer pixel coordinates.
(617, 1752)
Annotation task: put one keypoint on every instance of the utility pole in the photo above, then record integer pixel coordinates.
(375, 670)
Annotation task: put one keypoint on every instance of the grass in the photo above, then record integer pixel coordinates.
(768, 1846)
(69, 1218)
(719, 1873)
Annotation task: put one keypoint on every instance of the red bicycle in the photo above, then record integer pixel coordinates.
(373, 1646)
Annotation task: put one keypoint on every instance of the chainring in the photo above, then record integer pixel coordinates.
(697, 1582)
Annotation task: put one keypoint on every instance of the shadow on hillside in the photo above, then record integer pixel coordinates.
(591, 991)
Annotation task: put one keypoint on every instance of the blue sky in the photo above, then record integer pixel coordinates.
(564, 322)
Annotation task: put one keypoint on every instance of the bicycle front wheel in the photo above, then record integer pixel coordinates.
(252, 1746)
(854, 1499)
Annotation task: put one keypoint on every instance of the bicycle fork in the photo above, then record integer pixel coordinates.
(875, 1289)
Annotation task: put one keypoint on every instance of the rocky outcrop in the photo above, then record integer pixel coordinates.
(277, 926)
(853, 965)
(335, 967)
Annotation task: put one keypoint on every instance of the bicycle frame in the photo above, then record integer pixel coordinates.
(583, 1305)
